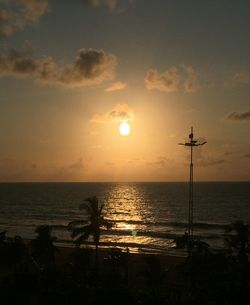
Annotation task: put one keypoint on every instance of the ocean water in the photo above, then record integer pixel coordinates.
(146, 217)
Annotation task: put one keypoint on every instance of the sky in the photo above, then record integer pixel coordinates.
(72, 71)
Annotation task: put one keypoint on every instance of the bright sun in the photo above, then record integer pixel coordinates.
(124, 129)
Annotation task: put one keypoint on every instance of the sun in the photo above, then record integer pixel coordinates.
(124, 129)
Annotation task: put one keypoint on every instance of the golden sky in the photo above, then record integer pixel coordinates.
(72, 71)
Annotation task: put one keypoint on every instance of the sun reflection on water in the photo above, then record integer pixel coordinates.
(128, 203)
(129, 209)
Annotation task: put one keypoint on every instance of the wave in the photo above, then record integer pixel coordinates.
(198, 225)
(139, 246)
(143, 233)
(169, 226)
(169, 231)
(159, 235)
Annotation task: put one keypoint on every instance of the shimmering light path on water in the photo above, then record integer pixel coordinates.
(146, 216)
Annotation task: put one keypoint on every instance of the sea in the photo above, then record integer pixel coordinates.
(146, 217)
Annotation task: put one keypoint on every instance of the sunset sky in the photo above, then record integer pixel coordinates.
(72, 71)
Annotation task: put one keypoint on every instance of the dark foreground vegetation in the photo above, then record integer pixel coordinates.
(39, 273)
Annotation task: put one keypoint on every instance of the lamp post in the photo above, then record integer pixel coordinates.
(192, 143)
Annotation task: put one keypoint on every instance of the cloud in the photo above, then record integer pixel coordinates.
(161, 161)
(240, 78)
(12, 169)
(210, 161)
(90, 67)
(111, 5)
(191, 84)
(168, 81)
(114, 6)
(238, 116)
(17, 14)
(77, 165)
(206, 158)
(116, 86)
(120, 112)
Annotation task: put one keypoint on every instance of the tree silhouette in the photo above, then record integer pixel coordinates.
(91, 225)
(43, 248)
(17, 251)
(4, 248)
(12, 251)
(3, 237)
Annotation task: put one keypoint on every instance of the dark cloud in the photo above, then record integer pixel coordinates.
(167, 81)
(238, 116)
(91, 66)
(120, 112)
(17, 14)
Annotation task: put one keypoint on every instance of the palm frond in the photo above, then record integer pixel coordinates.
(93, 202)
(78, 241)
(75, 223)
(80, 231)
(100, 210)
(107, 224)
(86, 206)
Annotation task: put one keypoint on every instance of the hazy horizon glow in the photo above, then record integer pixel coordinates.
(70, 73)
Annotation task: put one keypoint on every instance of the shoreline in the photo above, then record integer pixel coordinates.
(107, 247)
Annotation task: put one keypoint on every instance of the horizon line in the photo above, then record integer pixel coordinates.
(137, 181)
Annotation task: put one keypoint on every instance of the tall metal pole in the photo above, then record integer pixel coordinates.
(192, 143)
(191, 191)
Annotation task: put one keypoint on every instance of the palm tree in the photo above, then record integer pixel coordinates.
(17, 251)
(43, 248)
(91, 225)
(12, 251)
